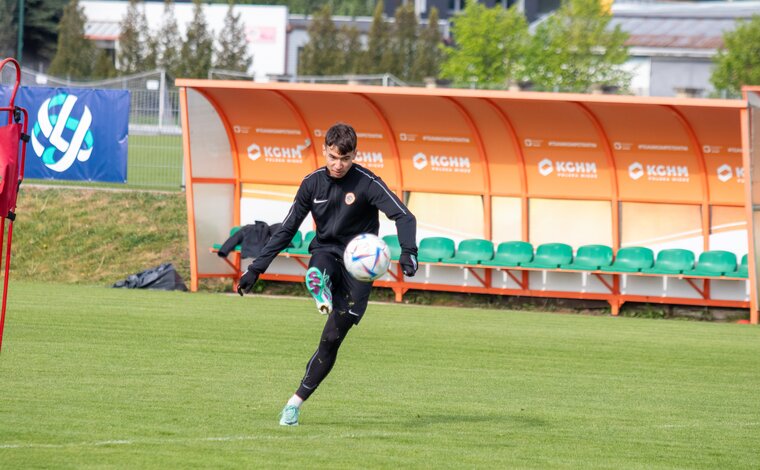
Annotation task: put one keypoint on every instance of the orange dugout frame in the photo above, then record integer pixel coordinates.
(538, 167)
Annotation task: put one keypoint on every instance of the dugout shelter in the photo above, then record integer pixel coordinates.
(550, 170)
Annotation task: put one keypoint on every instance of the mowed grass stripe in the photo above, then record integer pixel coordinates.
(102, 377)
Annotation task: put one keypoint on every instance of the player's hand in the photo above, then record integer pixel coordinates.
(408, 264)
(246, 282)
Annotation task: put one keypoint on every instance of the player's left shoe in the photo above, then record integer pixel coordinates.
(318, 285)
(289, 416)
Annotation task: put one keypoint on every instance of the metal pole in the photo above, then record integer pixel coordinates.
(161, 91)
(20, 40)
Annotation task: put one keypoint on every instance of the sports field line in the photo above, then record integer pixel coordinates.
(353, 435)
(188, 440)
(708, 425)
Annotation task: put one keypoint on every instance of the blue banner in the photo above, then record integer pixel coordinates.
(76, 133)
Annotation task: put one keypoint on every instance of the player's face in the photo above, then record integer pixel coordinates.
(337, 164)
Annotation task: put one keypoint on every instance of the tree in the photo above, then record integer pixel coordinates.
(351, 49)
(351, 8)
(322, 55)
(169, 41)
(489, 46)
(152, 50)
(198, 47)
(8, 31)
(41, 23)
(133, 41)
(403, 42)
(428, 62)
(574, 49)
(75, 55)
(233, 45)
(738, 61)
(377, 57)
(103, 66)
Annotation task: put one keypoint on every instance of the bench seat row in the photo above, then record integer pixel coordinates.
(631, 259)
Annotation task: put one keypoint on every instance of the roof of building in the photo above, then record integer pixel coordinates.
(682, 25)
(102, 30)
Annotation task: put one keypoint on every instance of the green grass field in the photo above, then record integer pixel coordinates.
(93, 377)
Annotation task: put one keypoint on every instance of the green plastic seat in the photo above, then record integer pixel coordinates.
(393, 245)
(511, 254)
(631, 259)
(435, 249)
(233, 231)
(714, 263)
(218, 246)
(304, 248)
(550, 256)
(473, 251)
(672, 261)
(590, 258)
(295, 243)
(743, 271)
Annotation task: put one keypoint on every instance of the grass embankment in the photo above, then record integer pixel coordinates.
(83, 236)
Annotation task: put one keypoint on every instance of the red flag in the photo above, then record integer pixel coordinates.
(9, 143)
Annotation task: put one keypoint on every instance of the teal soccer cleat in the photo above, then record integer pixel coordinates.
(289, 416)
(318, 285)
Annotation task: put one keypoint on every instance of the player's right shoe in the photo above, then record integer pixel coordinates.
(318, 285)
(289, 416)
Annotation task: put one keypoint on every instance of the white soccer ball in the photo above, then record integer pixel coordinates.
(367, 257)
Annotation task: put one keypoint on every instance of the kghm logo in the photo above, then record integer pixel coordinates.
(636, 170)
(419, 161)
(442, 163)
(568, 169)
(59, 138)
(274, 154)
(369, 159)
(667, 173)
(726, 173)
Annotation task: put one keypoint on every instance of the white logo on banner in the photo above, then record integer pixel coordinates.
(636, 170)
(442, 163)
(726, 172)
(254, 152)
(54, 119)
(274, 154)
(565, 169)
(664, 173)
(419, 161)
(545, 167)
(370, 159)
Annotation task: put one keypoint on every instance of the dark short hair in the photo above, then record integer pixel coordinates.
(341, 136)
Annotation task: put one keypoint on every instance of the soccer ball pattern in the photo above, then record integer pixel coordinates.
(367, 257)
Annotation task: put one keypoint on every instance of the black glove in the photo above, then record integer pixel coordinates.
(246, 282)
(221, 254)
(408, 264)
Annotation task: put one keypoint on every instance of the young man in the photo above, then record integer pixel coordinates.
(344, 199)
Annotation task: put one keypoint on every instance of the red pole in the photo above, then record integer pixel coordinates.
(7, 272)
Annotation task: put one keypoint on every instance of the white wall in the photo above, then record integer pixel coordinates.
(265, 27)
(641, 74)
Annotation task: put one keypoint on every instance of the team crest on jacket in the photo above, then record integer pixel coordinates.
(350, 198)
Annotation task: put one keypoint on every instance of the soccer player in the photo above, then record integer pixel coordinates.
(344, 199)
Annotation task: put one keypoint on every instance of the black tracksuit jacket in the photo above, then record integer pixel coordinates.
(342, 209)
